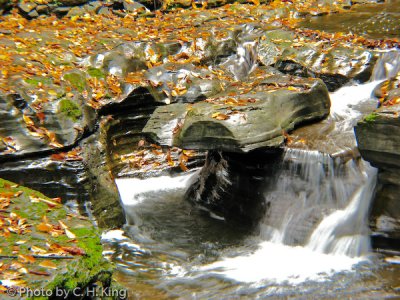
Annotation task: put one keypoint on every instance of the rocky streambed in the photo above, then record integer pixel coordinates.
(95, 96)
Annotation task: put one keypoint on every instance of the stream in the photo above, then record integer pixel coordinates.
(313, 242)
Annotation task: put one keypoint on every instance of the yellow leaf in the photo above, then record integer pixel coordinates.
(52, 92)
(48, 264)
(62, 225)
(28, 120)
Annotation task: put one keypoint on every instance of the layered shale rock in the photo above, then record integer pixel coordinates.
(240, 122)
(379, 143)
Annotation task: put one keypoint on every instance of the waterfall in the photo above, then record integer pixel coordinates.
(387, 66)
(321, 203)
(316, 198)
(316, 220)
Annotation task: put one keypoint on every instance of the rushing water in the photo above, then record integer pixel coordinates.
(312, 243)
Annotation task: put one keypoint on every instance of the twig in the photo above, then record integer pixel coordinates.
(39, 256)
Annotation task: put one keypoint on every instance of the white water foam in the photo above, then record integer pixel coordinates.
(132, 190)
(279, 263)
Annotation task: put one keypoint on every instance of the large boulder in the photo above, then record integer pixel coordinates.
(241, 119)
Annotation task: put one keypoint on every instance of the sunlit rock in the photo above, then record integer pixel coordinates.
(256, 117)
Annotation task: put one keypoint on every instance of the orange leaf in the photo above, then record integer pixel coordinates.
(26, 258)
(43, 227)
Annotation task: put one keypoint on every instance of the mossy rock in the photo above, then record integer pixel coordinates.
(70, 109)
(77, 79)
(43, 216)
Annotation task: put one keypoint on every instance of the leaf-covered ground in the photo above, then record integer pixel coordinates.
(43, 245)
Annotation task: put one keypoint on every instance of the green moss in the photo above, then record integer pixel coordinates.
(370, 118)
(70, 109)
(80, 271)
(92, 267)
(77, 80)
(36, 80)
(97, 73)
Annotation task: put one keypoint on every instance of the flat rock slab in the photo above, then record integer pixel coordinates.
(241, 119)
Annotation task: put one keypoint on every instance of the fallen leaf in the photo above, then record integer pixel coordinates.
(48, 264)
(69, 234)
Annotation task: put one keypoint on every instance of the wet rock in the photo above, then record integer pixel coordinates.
(335, 65)
(377, 21)
(104, 194)
(43, 9)
(379, 143)
(76, 11)
(26, 7)
(241, 122)
(383, 126)
(133, 6)
(61, 11)
(232, 185)
(73, 2)
(172, 83)
(27, 130)
(54, 177)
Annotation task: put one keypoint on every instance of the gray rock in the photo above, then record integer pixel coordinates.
(243, 122)
(93, 6)
(378, 137)
(60, 123)
(132, 6)
(106, 11)
(104, 195)
(334, 65)
(26, 7)
(61, 11)
(76, 11)
(43, 9)
(33, 14)
(73, 2)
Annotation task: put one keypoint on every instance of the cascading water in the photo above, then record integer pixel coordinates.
(315, 228)
(319, 202)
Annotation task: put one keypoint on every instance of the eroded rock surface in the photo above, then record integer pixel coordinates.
(256, 118)
(379, 143)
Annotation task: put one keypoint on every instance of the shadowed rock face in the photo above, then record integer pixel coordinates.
(243, 122)
(378, 137)
(232, 185)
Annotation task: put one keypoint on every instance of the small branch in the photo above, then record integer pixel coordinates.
(39, 256)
